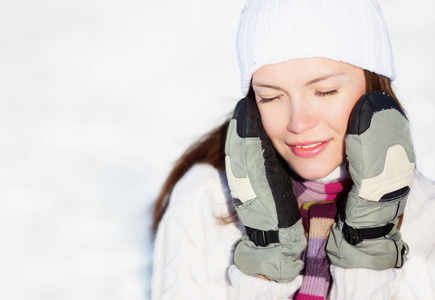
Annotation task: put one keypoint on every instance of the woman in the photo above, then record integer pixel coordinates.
(305, 65)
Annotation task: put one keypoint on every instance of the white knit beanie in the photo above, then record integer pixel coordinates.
(351, 31)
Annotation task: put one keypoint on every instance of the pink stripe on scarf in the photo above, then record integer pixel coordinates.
(312, 191)
(309, 297)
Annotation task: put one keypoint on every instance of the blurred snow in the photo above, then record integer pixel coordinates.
(99, 98)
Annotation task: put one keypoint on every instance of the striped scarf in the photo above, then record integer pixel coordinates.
(318, 209)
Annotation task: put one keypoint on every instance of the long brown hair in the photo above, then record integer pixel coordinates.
(210, 149)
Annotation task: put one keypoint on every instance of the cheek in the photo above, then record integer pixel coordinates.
(274, 121)
(341, 114)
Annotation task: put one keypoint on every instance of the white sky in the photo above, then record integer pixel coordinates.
(98, 98)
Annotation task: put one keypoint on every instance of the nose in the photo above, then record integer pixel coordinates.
(302, 117)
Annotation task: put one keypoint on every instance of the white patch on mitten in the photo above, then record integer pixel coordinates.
(398, 172)
(241, 188)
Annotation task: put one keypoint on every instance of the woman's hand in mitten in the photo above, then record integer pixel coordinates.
(264, 200)
(381, 163)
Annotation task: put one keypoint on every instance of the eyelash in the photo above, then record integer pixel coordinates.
(324, 94)
(317, 93)
(265, 100)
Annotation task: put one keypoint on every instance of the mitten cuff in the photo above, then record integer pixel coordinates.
(277, 261)
(377, 254)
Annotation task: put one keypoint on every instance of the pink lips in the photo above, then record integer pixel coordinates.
(310, 149)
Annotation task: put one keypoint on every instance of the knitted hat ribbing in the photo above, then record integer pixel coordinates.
(351, 31)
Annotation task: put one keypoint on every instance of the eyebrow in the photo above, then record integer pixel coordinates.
(323, 78)
(267, 86)
(306, 84)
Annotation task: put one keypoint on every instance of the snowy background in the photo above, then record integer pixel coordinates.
(97, 100)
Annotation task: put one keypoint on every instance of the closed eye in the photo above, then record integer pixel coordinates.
(328, 93)
(265, 100)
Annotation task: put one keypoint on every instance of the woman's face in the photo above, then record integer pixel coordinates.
(305, 106)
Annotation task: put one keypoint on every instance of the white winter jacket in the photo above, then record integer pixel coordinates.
(193, 255)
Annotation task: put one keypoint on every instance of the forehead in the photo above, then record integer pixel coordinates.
(302, 71)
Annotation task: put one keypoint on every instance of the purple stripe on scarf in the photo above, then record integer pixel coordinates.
(314, 286)
(318, 267)
(316, 247)
(325, 210)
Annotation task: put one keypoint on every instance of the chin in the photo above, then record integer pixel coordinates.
(314, 172)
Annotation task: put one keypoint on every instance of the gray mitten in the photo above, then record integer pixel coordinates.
(381, 163)
(260, 185)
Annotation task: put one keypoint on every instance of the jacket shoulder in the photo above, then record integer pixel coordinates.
(200, 181)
